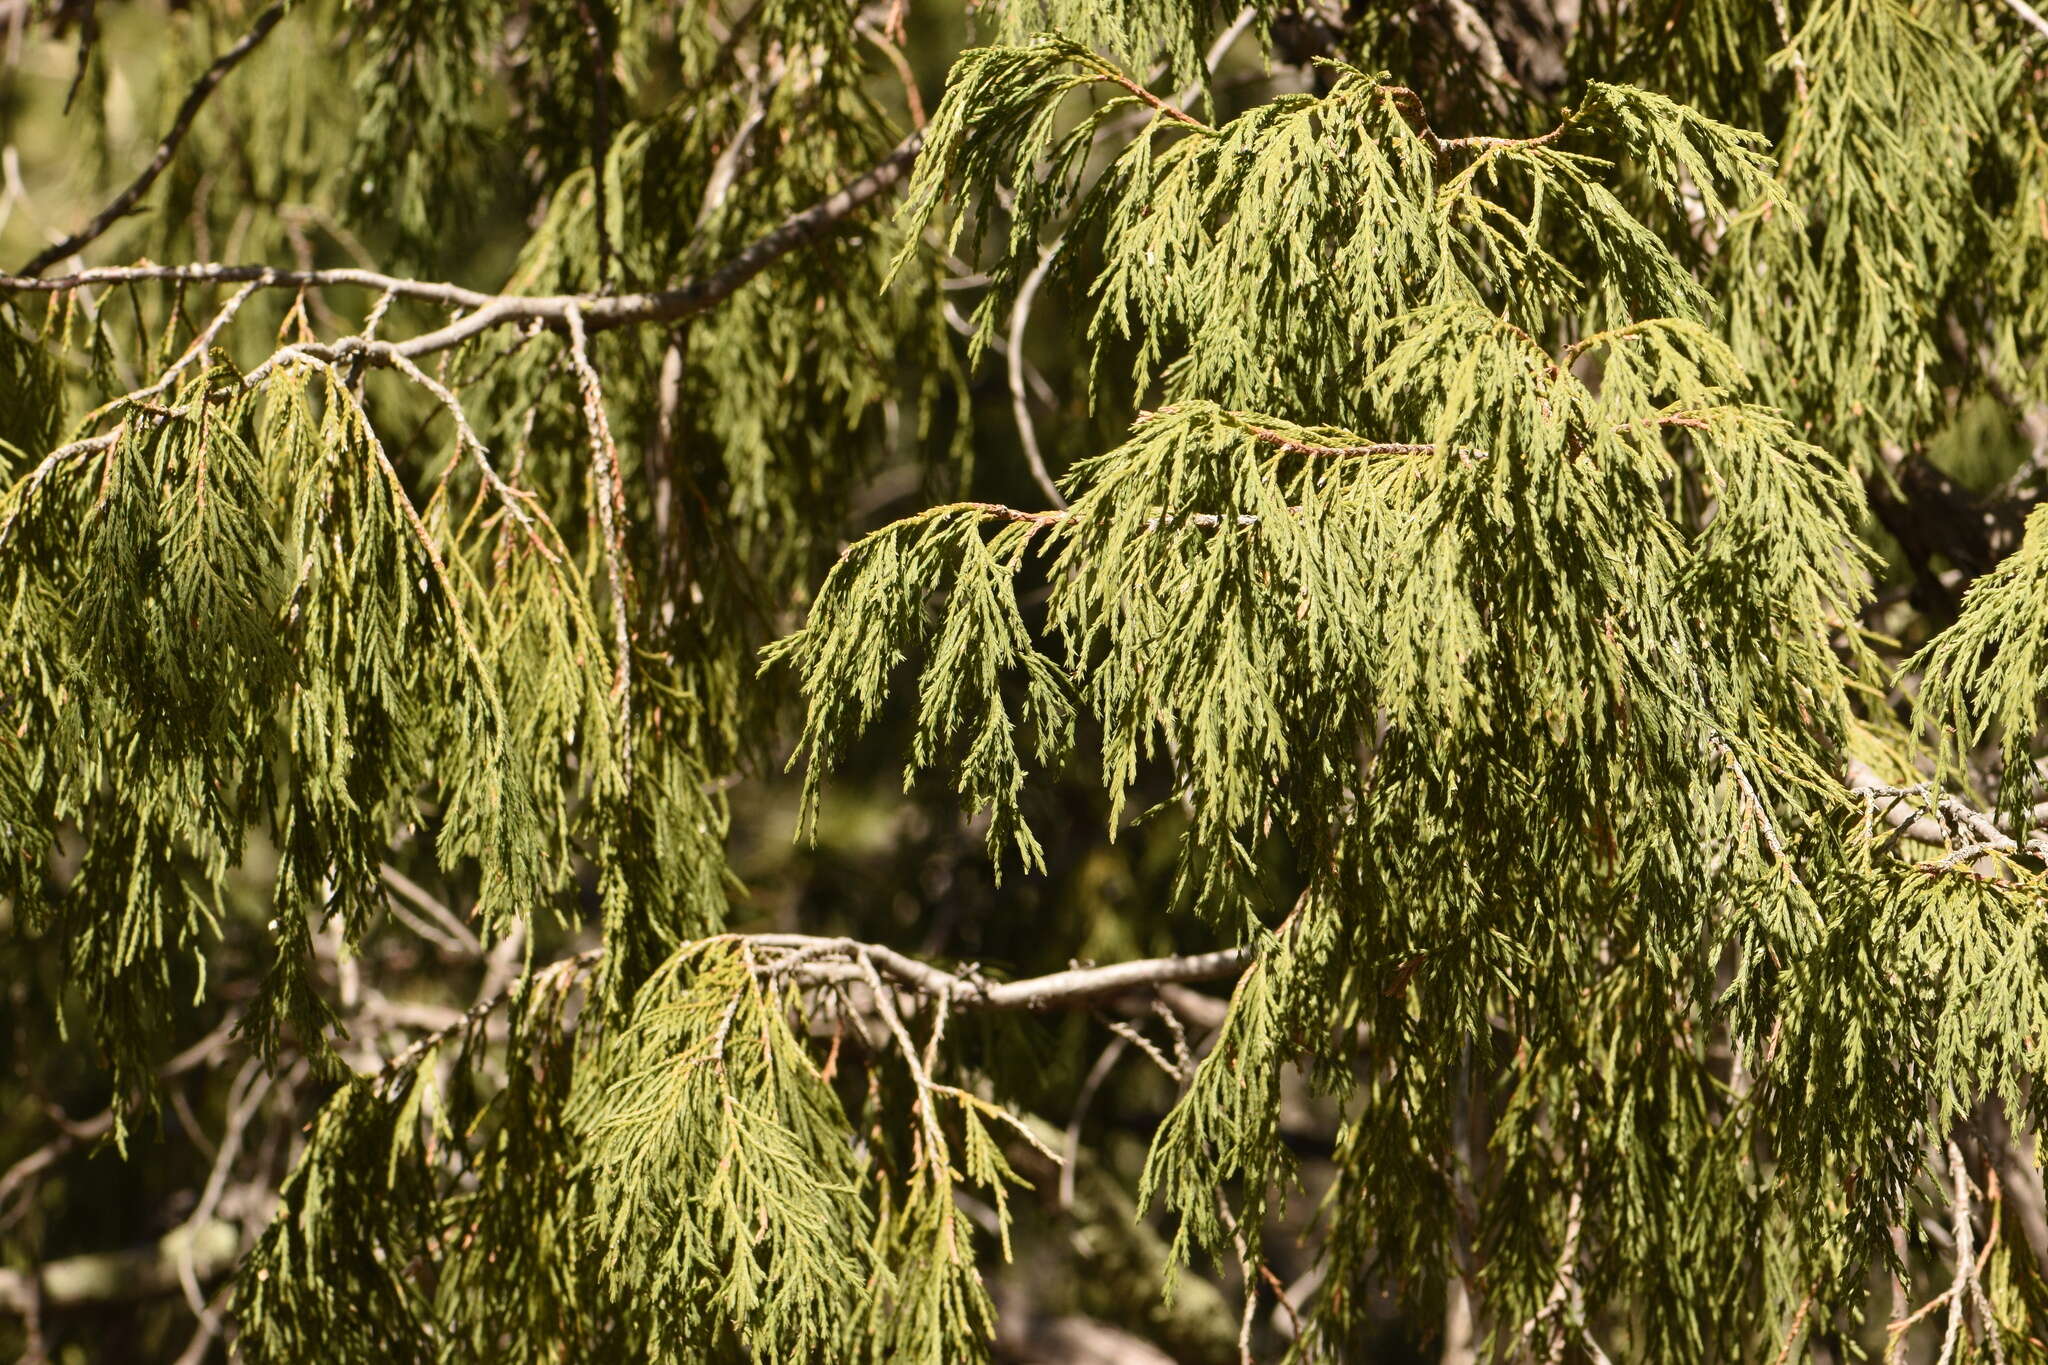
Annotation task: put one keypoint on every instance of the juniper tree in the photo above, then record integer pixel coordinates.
(1457, 593)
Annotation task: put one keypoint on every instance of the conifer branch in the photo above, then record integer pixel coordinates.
(166, 148)
(1296, 447)
(968, 989)
(813, 959)
(521, 505)
(1408, 104)
(1487, 673)
(597, 312)
(1754, 805)
(1946, 822)
(1969, 1272)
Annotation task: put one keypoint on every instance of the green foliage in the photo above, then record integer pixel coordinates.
(709, 1117)
(34, 398)
(1983, 676)
(866, 621)
(1472, 620)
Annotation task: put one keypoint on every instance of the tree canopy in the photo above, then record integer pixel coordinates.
(1084, 680)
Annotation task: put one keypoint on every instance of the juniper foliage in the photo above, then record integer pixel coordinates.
(1543, 589)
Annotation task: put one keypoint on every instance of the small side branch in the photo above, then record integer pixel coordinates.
(1165, 107)
(121, 204)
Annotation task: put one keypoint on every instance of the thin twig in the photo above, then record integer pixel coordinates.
(610, 515)
(1136, 1037)
(121, 203)
(1958, 1292)
(452, 932)
(1754, 804)
(1020, 320)
(912, 99)
(240, 1111)
(1567, 1274)
(1792, 1332)
(199, 344)
(1075, 986)
(1105, 1063)
(1163, 106)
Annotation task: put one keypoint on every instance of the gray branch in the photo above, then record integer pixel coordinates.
(487, 311)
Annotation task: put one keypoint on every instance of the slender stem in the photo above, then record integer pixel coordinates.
(119, 206)
(610, 505)
(1170, 110)
(1020, 321)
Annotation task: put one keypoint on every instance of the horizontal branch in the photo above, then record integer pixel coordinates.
(1294, 447)
(816, 960)
(1077, 986)
(487, 311)
(1940, 820)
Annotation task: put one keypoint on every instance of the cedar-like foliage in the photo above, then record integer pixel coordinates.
(1523, 559)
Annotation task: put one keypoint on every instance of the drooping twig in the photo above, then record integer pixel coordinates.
(1792, 1332)
(1958, 1292)
(1163, 106)
(610, 516)
(1105, 1062)
(122, 203)
(1020, 321)
(452, 933)
(1753, 805)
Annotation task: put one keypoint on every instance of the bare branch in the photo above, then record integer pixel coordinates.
(834, 961)
(597, 312)
(119, 207)
(1958, 1295)
(1105, 1062)
(1020, 319)
(2030, 15)
(451, 934)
